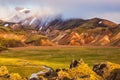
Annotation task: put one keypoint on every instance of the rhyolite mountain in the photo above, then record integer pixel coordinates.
(90, 32)
(96, 31)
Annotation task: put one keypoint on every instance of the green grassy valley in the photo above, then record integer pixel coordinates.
(27, 60)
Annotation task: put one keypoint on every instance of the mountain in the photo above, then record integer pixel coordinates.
(96, 31)
(90, 32)
(14, 37)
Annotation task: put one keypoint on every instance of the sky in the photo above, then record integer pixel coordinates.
(86, 9)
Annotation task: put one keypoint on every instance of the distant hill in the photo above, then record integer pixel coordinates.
(95, 32)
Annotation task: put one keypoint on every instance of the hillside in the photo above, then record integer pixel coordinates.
(96, 31)
(90, 32)
(19, 38)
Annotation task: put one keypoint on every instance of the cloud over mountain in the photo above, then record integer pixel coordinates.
(68, 8)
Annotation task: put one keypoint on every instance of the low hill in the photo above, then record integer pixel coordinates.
(19, 38)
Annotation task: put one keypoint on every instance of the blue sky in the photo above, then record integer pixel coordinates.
(108, 9)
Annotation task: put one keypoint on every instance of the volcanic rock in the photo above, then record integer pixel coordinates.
(108, 70)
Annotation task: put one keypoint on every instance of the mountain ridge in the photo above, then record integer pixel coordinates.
(95, 31)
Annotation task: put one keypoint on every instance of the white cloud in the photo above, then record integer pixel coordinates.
(108, 9)
(43, 11)
(6, 13)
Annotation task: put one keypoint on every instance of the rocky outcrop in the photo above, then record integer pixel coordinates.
(47, 71)
(108, 70)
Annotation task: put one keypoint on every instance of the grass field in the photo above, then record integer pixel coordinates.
(27, 60)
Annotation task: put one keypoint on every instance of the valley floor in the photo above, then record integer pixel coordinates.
(28, 60)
